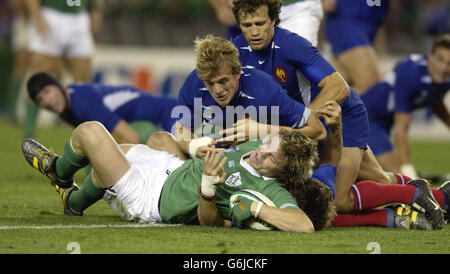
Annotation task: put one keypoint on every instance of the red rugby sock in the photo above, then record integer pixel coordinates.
(368, 194)
(372, 217)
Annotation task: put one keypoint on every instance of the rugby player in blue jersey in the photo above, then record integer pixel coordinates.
(350, 28)
(219, 92)
(417, 81)
(128, 113)
(308, 78)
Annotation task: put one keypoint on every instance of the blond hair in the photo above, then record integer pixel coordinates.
(213, 53)
(300, 155)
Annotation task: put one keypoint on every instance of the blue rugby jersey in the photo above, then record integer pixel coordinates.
(110, 104)
(258, 95)
(407, 87)
(298, 67)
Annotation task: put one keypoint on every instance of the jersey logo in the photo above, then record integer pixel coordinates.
(234, 179)
(230, 164)
(280, 74)
(261, 62)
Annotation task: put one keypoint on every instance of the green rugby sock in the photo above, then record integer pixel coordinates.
(69, 163)
(31, 113)
(87, 195)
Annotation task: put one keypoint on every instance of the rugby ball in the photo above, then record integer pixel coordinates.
(253, 195)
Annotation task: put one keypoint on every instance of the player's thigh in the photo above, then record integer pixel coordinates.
(371, 170)
(389, 161)
(80, 68)
(93, 141)
(361, 65)
(46, 63)
(346, 175)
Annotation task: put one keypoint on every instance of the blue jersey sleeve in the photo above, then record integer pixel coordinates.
(327, 175)
(308, 59)
(186, 96)
(92, 109)
(405, 82)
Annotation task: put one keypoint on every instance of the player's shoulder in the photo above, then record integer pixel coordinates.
(255, 81)
(193, 84)
(412, 62)
(286, 38)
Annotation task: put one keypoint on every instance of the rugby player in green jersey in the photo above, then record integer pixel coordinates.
(147, 185)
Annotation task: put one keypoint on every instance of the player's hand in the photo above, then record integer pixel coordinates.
(243, 130)
(213, 172)
(331, 112)
(42, 26)
(202, 151)
(240, 212)
(212, 166)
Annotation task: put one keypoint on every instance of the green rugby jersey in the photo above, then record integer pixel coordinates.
(66, 6)
(179, 197)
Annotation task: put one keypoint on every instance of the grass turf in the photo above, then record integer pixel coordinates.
(32, 220)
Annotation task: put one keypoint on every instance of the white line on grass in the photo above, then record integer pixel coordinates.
(84, 226)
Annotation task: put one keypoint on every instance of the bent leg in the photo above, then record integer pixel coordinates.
(91, 140)
(346, 175)
(371, 170)
(389, 161)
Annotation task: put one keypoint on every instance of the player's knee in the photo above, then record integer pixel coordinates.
(92, 131)
(343, 203)
(159, 139)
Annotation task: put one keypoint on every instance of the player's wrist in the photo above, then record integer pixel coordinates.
(208, 186)
(194, 144)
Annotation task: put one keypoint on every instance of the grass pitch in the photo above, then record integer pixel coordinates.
(32, 219)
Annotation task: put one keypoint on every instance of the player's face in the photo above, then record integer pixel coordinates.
(223, 86)
(258, 29)
(52, 99)
(439, 64)
(267, 159)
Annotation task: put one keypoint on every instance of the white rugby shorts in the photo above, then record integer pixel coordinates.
(303, 18)
(70, 35)
(135, 196)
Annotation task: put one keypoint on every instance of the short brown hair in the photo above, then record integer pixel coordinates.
(442, 41)
(316, 200)
(300, 154)
(250, 6)
(213, 53)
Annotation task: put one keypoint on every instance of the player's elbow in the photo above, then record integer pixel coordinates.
(336, 83)
(303, 227)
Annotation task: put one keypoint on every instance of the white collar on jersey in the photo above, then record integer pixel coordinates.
(250, 169)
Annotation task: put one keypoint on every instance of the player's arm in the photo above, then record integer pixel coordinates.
(189, 144)
(212, 176)
(402, 122)
(96, 8)
(124, 134)
(333, 88)
(441, 110)
(331, 148)
(313, 128)
(285, 219)
(34, 9)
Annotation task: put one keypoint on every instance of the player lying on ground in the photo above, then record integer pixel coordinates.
(368, 194)
(147, 185)
(121, 109)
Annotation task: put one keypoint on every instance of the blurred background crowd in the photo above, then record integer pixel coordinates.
(156, 27)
